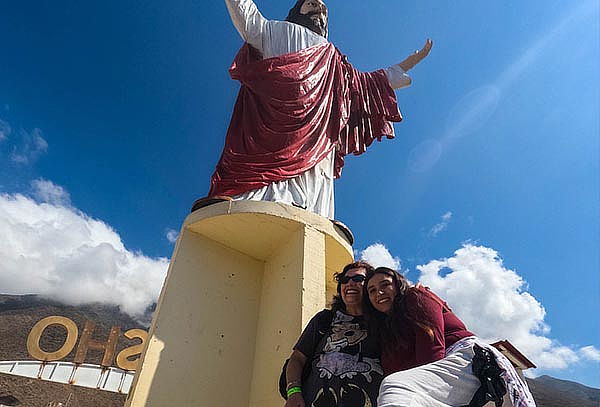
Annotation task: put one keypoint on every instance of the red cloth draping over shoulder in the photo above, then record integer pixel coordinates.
(292, 110)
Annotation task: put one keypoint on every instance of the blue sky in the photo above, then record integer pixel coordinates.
(118, 110)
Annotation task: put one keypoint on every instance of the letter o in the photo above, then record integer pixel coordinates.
(33, 340)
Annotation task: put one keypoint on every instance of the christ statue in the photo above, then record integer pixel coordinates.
(301, 109)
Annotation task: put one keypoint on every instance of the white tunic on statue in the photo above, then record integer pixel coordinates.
(313, 189)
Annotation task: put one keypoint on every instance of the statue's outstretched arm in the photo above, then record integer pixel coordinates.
(247, 20)
(397, 73)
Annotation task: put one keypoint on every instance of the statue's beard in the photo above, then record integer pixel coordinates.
(316, 22)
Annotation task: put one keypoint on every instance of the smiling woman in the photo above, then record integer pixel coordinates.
(428, 355)
(336, 361)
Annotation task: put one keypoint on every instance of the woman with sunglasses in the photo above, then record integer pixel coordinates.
(336, 362)
(428, 353)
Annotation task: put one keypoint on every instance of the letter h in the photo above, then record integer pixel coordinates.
(86, 342)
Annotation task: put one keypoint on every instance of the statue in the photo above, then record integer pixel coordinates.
(302, 107)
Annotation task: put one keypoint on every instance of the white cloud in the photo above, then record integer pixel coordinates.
(494, 303)
(4, 130)
(378, 255)
(443, 225)
(61, 253)
(31, 146)
(171, 235)
(590, 353)
(47, 191)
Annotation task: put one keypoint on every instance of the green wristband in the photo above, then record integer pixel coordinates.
(294, 390)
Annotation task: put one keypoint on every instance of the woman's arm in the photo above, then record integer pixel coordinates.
(247, 20)
(303, 353)
(293, 376)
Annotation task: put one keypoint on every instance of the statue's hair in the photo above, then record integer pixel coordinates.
(295, 11)
(294, 16)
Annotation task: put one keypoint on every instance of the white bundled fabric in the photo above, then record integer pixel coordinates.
(449, 382)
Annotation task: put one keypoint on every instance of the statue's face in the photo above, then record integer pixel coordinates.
(316, 11)
(311, 14)
(313, 6)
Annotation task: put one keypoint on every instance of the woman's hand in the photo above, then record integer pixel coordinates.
(417, 56)
(295, 400)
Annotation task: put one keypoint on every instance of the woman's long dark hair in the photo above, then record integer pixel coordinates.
(399, 327)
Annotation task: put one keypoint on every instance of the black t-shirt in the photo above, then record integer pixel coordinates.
(346, 371)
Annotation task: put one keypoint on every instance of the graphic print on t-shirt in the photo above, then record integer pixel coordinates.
(344, 332)
(345, 371)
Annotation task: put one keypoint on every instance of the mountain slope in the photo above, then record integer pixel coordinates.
(551, 392)
(19, 313)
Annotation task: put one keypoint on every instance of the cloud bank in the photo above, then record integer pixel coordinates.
(590, 353)
(52, 249)
(493, 302)
(47, 191)
(379, 256)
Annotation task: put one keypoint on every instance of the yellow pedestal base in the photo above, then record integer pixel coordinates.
(244, 280)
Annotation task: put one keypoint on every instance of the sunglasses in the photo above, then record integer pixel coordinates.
(357, 278)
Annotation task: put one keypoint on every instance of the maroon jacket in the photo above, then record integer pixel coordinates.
(292, 110)
(447, 330)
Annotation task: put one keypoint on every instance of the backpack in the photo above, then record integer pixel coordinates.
(324, 319)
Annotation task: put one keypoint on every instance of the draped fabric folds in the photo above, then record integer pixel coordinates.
(292, 110)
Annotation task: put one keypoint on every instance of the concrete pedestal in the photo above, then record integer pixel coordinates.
(244, 280)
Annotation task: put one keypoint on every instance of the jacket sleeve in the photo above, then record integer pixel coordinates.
(248, 20)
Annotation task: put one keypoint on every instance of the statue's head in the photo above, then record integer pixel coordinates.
(311, 14)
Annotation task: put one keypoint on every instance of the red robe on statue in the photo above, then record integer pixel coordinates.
(292, 110)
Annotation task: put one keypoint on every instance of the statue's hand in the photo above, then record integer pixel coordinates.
(417, 56)
(423, 52)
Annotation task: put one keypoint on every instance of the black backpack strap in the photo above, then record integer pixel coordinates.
(488, 372)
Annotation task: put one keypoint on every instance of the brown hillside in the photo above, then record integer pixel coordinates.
(18, 314)
(37, 393)
(551, 392)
